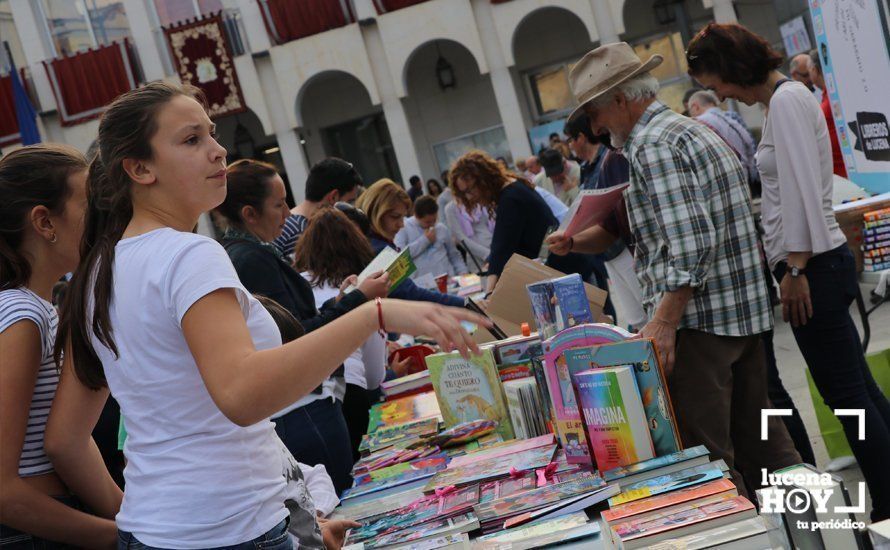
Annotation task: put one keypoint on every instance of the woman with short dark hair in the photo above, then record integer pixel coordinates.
(806, 249)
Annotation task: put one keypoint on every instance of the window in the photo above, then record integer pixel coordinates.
(493, 141)
(671, 74)
(173, 11)
(11, 36)
(77, 25)
(551, 91)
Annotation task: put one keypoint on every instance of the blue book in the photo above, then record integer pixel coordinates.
(665, 484)
(559, 303)
(662, 465)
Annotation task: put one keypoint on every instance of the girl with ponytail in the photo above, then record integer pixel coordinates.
(157, 316)
(41, 215)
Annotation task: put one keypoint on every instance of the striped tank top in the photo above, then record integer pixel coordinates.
(21, 304)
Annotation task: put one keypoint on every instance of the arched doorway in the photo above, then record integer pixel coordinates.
(545, 46)
(450, 106)
(339, 120)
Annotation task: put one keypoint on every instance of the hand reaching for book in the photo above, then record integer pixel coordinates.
(333, 531)
(438, 322)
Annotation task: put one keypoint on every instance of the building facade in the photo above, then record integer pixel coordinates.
(399, 87)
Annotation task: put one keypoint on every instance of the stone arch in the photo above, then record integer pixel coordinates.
(524, 13)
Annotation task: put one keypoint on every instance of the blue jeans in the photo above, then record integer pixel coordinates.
(317, 434)
(276, 538)
(830, 345)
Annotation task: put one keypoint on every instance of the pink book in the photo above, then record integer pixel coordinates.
(590, 208)
(566, 417)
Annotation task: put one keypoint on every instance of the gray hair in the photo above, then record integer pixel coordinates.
(814, 59)
(705, 97)
(643, 86)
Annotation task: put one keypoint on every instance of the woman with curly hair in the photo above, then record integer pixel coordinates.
(523, 217)
(332, 249)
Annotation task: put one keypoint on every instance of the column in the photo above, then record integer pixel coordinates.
(602, 18)
(393, 110)
(502, 82)
(294, 162)
(143, 33)
(288, 141)
(37, 47)
(257, 36)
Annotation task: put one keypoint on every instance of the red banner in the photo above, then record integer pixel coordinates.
(84, 83)
(9, 125)
(384, 6)
(203, 58)
(287, 20)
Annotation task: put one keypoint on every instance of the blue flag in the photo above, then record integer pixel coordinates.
(24, 111)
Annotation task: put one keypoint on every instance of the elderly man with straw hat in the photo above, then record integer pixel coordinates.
(697, 258)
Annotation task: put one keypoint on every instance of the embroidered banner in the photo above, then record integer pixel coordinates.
(203, 58)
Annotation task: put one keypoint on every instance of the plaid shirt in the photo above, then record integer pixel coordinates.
(690, 213)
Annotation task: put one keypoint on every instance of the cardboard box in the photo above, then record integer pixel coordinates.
(509, 305)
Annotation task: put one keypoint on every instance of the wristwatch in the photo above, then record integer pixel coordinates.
(796, 271)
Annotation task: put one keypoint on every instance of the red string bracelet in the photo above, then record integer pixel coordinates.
(380, 322)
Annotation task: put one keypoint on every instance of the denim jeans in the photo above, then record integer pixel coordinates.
(13, 539)
(830, 345)
(317, 434)
(276, 538)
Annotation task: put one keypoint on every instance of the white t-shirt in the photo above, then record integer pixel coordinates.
(194, 478)
(366, 366)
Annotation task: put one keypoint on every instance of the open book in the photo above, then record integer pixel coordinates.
(398, 264)
(590, 208)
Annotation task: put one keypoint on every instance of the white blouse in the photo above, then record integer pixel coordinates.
(794, 161)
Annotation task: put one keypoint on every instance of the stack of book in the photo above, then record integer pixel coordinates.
(406, 386)
(524, 405)
(679, 500)
(876, 240)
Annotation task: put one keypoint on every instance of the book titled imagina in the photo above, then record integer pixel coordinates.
(613, 416)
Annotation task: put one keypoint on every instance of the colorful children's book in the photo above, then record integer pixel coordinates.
(559, 303)
(499, 510)
(613, 416)
(540, 533)
(641, 354)
(687, 458)
(666, 501)
(492, 468)
(399, 411)
(515, 371)
(648, 529)
(434, 529)
(398, 265)
(502, 449)
(666, 484)
(566, 418)
(389, 435)
(514, 349)
(469, 389)
(399, 474)
(402, 469)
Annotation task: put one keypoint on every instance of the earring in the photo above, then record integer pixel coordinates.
(52, 239)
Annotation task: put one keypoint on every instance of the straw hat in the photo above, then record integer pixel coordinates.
(603, 69)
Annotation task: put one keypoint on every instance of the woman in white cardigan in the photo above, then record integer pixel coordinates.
(805, 248)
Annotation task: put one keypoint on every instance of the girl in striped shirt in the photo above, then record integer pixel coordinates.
(42, 201)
